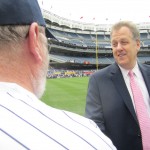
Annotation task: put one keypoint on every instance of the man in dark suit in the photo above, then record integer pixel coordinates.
(109, 98)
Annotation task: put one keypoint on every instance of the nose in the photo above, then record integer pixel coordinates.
(119, 47)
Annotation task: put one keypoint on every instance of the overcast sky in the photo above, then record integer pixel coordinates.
(100, 11)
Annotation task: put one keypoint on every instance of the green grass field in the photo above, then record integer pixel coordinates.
(67, 93)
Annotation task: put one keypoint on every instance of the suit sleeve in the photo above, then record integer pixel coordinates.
(93, 109)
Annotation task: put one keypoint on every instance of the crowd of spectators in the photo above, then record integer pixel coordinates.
(61, 73)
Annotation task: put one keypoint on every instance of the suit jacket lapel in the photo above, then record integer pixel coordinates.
(120, 85)
(145, 70)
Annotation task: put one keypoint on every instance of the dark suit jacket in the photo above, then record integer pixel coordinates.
(109, 104)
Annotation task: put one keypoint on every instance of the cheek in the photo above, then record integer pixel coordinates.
(114, 52)
(133, 50)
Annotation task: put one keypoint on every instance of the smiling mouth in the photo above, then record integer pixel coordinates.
(121, 55)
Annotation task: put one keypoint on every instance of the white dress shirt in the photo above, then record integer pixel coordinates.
(28, 123)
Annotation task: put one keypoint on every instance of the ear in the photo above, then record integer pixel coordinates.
(33, 41)
(138, 43)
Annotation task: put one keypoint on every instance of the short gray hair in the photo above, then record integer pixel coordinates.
(14, 33)
(132, 27)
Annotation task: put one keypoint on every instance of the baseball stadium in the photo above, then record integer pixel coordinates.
(76, 50)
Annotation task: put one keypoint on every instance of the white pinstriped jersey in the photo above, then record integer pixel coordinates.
(28, 123)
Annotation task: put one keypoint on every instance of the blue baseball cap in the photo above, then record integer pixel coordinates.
(20, 12)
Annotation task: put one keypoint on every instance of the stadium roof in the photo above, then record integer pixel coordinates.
(99, 11)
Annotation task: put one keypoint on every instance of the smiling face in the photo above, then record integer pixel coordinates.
(125, 47)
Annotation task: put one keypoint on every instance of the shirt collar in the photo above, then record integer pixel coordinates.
(126, 71)
(16, 90)
(136, 70)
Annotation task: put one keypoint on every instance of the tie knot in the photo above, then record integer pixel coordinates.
(131, 74)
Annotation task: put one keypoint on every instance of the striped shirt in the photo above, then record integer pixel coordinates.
(28, 123)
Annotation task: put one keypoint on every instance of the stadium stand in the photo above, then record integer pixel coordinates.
(76, 45)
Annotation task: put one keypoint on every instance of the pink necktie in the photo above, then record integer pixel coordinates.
(142, 114)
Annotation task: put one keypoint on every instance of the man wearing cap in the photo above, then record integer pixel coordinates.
(26, 122)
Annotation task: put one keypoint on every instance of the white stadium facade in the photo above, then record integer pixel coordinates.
(77, 45)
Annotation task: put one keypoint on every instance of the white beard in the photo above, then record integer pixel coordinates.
(39, 80)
